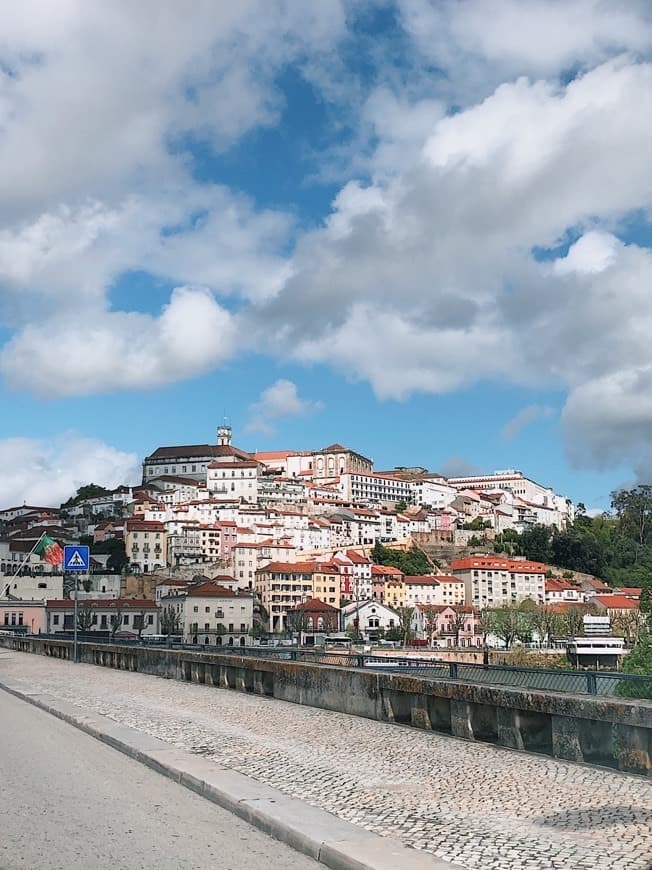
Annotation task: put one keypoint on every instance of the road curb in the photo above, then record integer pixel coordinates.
(316, 833)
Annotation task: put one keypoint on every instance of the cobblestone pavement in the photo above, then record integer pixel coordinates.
(478, 805)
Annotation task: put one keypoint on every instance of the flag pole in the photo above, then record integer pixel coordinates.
(7, 586)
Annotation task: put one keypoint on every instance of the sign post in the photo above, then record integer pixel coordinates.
(77, 559)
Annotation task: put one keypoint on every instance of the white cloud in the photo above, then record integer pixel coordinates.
(478, 48)
(98, 174)
(425, 280)
(116, 351)
(281, 399)
(525, 417)
(46, 473)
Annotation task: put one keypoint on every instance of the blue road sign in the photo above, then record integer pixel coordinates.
(76, 558)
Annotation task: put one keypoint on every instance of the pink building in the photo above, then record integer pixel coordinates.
(446, 626)
(380, 575)
(22, 616)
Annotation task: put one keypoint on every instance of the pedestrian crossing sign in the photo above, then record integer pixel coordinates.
(76, 558)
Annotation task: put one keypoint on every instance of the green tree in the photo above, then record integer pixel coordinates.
(91, 490)
(535, 543)
(401, 506)
(85, 616)
(413, 561)
(638, 662)
(170, 621)
(509, 623)
(405, 615)
(634, 512)
(115, 548)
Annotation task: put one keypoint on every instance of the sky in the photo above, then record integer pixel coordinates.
(419, 228)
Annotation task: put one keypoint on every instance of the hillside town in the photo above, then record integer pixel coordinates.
(218, 546)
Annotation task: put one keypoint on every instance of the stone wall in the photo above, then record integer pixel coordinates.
(599, 730)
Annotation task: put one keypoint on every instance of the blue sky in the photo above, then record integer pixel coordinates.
(403, 225)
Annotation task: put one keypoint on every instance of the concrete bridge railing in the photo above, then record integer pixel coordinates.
(600, 730)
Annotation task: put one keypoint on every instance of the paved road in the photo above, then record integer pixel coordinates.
(68, 802)
(474, 804)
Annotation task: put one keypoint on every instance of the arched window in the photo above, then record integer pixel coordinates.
(320, 624)
(310, 623)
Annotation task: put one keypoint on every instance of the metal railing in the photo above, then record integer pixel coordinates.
(587, 682)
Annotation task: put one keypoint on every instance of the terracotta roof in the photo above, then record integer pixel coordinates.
(446, 578)
(144, 526)
(288, 568)
(617, 602)
(313, 605)
(190, 450)
(566, 606)
(211, 590)
(385, 571)
(270, 455)
(356, 558)
(103, 603)
(556, 585)
(420, 580)
(491, 563)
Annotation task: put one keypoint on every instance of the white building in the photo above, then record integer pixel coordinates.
(212, 614)
(521, 487)
(493, 581)
(372, 488)
(233, 479)
(192, 460)
(370, 618)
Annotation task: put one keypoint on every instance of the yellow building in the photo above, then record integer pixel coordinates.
(326, 584)
(394, 592)
(146, 544)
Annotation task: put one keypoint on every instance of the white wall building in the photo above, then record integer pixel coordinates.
(493, 581)
(212, 614)
(370, 618)
(233, 480)
(372, 488)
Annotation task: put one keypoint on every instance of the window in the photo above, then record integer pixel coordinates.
(230, 627)
(207, 626)
(243, 626)
(150, 619)
(55, 619)
(103, 623)
(125, 619)
(6, 619)
(195, 610)
(207, 610)
(42, 585)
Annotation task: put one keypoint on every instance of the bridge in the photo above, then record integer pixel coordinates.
(473, 804)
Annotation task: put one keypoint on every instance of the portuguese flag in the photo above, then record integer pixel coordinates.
(49, 550)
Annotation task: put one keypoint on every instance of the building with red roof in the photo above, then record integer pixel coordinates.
(494, 581)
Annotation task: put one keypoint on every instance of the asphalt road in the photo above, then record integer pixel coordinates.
(68, 802)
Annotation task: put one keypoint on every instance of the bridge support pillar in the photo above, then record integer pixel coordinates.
(420, 712)
(566, 741)
(461, 720)
(508, 728)
(633, 748)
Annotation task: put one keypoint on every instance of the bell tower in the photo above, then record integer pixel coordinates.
(224, 436)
